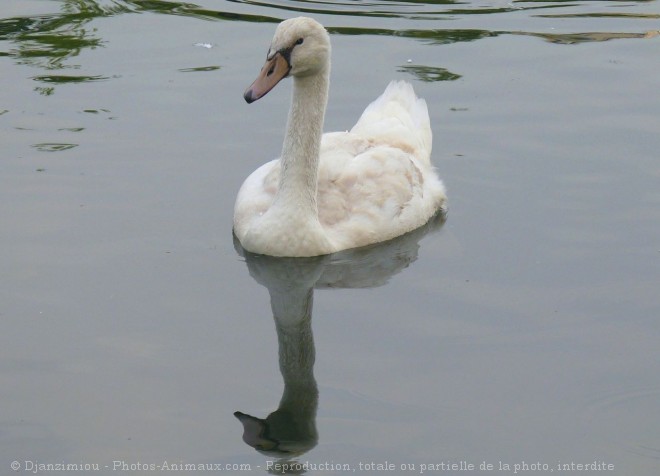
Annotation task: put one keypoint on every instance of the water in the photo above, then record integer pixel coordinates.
(522, 331)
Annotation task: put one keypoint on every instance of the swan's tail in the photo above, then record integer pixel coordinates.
(400, 119)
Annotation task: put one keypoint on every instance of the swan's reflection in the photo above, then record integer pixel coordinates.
(290, 430)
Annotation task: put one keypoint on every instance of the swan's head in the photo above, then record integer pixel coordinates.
(300, 47)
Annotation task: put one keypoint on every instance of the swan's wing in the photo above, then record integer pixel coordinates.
(400, 119)
(376, 181)
(369, 193)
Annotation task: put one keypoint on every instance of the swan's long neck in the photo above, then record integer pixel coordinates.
(302, 143)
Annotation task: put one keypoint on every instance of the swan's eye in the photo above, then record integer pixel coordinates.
(299, 41)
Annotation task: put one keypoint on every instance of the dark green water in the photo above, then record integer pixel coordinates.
(524, 330)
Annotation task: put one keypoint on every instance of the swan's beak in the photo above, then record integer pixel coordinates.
(254, 432)
(276, 68)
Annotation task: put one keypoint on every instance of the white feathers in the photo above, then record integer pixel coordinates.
(398, 116)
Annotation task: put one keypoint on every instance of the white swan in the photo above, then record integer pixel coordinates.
(341, 190)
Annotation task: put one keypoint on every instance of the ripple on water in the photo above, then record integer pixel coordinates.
(53, 147)
(628, 417)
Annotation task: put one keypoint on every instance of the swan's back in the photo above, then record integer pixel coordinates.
(376, 182)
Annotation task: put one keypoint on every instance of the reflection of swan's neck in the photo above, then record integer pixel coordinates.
(302, 142)
(291, 429)
(293, 319)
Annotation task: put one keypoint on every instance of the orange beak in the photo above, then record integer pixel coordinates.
(276, 68)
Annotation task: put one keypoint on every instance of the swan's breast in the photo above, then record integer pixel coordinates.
(255, 196)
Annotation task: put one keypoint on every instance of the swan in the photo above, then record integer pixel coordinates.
(341, 190)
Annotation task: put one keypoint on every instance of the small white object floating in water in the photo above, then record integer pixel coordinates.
(204, 45)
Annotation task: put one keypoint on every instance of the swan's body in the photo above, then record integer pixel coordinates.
(335, 191)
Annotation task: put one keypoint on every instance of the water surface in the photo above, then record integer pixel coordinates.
(524, 328)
